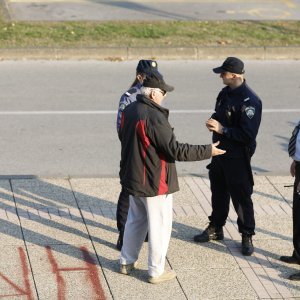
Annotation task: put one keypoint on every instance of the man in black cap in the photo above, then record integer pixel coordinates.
(235, 124)
(148, 173)
(294, 153)
(144, 68)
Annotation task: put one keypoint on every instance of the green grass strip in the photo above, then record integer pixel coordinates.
(158, 33)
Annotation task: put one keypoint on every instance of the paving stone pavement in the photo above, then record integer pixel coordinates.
(58, 240)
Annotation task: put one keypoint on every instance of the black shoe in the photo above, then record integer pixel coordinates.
(295, 276)
(210, 233)
(247, 245)
(120, 241)
(289, 259)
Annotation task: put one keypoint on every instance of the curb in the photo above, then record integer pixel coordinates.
(161, 53)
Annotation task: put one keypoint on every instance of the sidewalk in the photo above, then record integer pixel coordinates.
(58, 242)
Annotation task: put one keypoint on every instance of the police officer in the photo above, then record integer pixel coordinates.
(144, 68)
(235, 124)
(294, 153)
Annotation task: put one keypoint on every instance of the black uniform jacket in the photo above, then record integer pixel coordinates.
(239, 111)
(149, 150)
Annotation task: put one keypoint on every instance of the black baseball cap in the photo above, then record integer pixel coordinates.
(232, 65)
(146, 66)
(155, 80)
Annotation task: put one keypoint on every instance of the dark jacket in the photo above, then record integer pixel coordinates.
(239, 111)
(149, 150)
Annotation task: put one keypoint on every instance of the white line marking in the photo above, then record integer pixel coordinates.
(113, 112)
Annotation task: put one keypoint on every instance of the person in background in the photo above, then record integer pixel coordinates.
(235, 124)
(294, 153)
(148, 174)
(143, 68)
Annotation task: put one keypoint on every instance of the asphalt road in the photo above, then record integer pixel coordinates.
(57, 118)
(98, 10)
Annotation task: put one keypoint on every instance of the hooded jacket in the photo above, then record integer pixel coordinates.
(149, 150)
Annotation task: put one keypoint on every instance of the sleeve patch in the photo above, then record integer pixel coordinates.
(250, 111)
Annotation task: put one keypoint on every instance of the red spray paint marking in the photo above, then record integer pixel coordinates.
(93, 274)
(26, 290)
(91, 269)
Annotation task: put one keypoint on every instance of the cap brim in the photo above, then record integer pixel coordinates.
(168, 88)
(219, 70)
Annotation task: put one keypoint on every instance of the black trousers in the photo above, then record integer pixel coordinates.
(122, 209)
(232, 178)
(296, 214)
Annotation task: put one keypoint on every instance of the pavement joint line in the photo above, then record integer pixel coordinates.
(198, 210)
(196, 192)
(267, 208)
(255, 270)
(17, 218)
(258, 287)
(287, 208)
(90, 237)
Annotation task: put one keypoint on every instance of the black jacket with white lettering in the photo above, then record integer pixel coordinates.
(239, 111)
(149, 150)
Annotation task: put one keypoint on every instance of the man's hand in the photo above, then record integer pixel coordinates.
(214, 125)
(216, 151)
(293, 168)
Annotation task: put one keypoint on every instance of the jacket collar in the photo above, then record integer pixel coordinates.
(237, 90)
(147, 101)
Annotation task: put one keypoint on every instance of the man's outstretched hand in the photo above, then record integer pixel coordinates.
(216, 151)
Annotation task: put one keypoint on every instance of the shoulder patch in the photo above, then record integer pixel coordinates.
(250, 111)
(131, 91)
(122, 107)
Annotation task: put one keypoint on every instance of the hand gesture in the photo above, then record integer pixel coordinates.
(216, 151)
(214, 125)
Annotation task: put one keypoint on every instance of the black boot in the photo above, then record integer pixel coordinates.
(247, 245)
(294, 259)
(289, 259)
(120, 241)
(210, 233)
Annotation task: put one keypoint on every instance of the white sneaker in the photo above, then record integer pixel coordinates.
(167, 275)
(127, 269)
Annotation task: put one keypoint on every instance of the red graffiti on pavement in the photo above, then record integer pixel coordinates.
(20, 291)
(90, 268)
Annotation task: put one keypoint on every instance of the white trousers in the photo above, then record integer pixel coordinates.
(153, 215)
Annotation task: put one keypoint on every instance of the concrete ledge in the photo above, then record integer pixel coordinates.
(105, 53)
(163, 53)
(282, 53)
(221, 52)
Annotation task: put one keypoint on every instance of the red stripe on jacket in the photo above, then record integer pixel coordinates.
(140, 126)
(163, 187)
